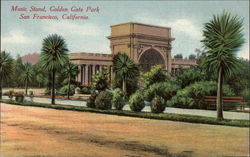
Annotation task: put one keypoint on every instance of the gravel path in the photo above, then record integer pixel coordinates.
(205, 113)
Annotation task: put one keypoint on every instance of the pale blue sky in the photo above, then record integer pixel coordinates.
(186, 18)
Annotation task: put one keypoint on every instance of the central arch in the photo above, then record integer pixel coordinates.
(150, 58)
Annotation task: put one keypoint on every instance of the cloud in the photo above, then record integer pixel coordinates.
(245, 52)
(180, 25)
(69, 28)
(16, 37)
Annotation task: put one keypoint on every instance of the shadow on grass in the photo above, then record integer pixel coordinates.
(147, 115)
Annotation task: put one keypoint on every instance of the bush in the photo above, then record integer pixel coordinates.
(91, 100)
(156, 74)
(246, 95)
(193, 95)
(118, 100)
(132, 84)
(166, 90)
(64, 90)
(190, 75)
(19, 96)
(85, 90)
(136, 102)
(103, 100)
(100, 80)
(158, 105)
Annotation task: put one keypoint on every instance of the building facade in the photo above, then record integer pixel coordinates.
(147, 45)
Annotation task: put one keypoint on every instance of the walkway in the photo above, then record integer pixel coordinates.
(205, 113)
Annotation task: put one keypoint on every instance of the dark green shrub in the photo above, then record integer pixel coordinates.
(85, 90)
(19, 96)
(166, 90)
(64, 90)
(156, 74)
(191, 75)
(91, 100)
(103, 100)
(193, 95)
(118, 100)
(158, 105)
(132, 84)
(136, 102)
(246, 95)
(100, 80)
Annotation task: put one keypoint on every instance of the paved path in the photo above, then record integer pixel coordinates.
(205, 113)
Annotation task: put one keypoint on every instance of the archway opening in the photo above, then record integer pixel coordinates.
(150, 58)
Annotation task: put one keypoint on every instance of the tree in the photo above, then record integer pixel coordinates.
(6, 65)
(192, 57)
(178, 56)
(222, 39)
(71, 70)
(156, 74)
(100, 80)
(53, 57)
(191, 75)
(124, 68)
(27, 75)
(18, 68)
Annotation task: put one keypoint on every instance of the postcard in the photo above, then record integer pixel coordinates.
(124, 78)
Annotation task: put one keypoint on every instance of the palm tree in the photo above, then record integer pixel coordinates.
(6, 65)
(71, 71)
(124, 68)
(222, 39)
(27, 75)
(53, 57)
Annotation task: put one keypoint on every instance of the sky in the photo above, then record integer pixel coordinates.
(186, 19)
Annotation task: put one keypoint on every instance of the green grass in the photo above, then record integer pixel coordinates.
(162, 116)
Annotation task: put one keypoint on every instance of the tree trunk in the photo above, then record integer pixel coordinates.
(53, 88)
(68, 87)
(219, 97)
(26, 87)
(1, 84)
(124, 85)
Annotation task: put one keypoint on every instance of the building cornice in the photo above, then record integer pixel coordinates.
(141, 36)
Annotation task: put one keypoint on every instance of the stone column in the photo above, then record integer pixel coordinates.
(78, 79)
(111, 75)
(169, 62)
(100, 68)
(86, 75)
(93, 69)
(81, 72)
(92, 72)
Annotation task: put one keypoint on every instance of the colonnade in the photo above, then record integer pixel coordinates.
(87, 71)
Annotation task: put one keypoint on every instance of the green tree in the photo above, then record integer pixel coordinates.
(27, 75)
(192, 57)
(18, 68)
(53, 57)
(124, 68)
(100, 80)
(156, 74)
(178, 56)
(6, 65)
(71, 70)
(222, 39)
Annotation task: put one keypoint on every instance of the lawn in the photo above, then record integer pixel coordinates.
(164, 116)
(32, 131)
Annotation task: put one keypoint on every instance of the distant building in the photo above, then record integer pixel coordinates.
(32, 58)
(147, 45)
